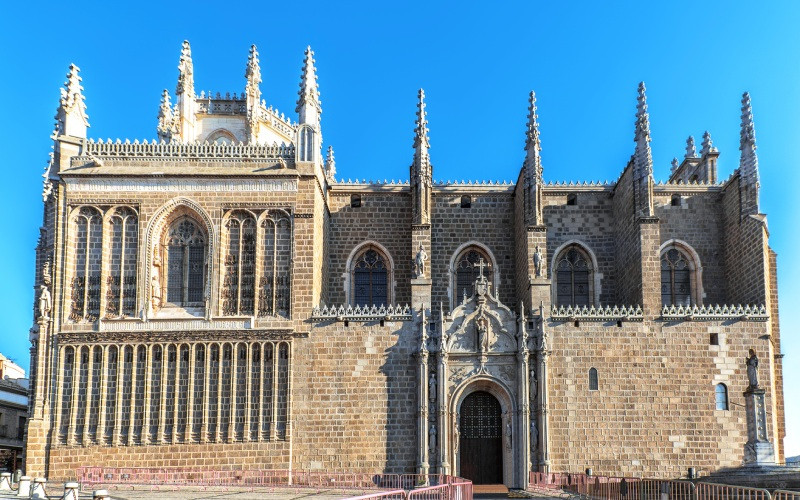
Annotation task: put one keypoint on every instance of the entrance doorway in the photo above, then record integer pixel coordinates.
(481, 439)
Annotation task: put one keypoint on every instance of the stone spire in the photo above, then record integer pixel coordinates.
(330, 165)
(674, 166)
(707, 146)
(309, 107)
(421, 169)
(71, 117)
(185, 71)
(642, 159)
(185, 95)
(166, 118)
(533, 166)
(253, 92)
(691, 150)
(748, 161)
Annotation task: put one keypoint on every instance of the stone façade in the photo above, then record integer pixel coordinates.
(271, 369)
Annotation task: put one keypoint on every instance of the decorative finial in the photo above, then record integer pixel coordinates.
(185, 71)
(674, 166)
(691, 151)
(309, 92)
(532, 143)
(330, 165)
(71, 117)
(707, 145)
(643, 156)
(421, 140)
(748, 161)
(253, 71)
(166, 118)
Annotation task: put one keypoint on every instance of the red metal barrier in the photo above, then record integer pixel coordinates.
(785, 495)
(713, 491)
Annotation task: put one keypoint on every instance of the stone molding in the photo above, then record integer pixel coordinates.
(156, 149)
(602, 313)
(185, 185)
(715, 312)
(358, 313)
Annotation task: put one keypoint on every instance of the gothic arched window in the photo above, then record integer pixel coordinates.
(370, 278)
(185, 246)
(238, 292)
(305, 147)
(467, 269)
(276, 266)
(721, 396)
(121, 293)
(574, 275)
(676, 278)
(88, 265)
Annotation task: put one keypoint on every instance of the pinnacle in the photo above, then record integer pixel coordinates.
(691, 150)
(185, 71)
(674, 165)
(532, 134)
(642, 117)
(253, 70)
(748, 132)
(421, 129)
(309, 93)
(707, 145)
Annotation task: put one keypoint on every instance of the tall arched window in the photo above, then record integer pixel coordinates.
(676, 286)
(305, 147)
(466, 270)
(238, 287)
(88, 265)
(121, 292)
(594, 383)
(276, 266)
(574, 277)
(370, 278)
(185, 246)
(721, 396)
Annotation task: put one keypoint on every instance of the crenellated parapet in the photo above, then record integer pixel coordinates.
(155, 149)
(607, 313)
(715, 312)
(362, 313)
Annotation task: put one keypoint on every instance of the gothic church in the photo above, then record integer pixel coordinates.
(219, 298)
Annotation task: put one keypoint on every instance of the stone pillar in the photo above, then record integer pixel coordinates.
(71, 491)
(5, 481)
(24, 487)
(444, 424)
(544, 423)
(524, 414)
(422, 411)
(38, 492)
(759, 449)
(147, 437)
(100, 436)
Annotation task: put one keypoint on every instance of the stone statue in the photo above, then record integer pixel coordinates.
(419, 262)
(534, 434)
(481, 326)
(538, 262)
(45, 302)
(534, 390)
(432, 439)
(752, 370)
(155, 283)
(432, 387)
(508, 435)
(456, 435)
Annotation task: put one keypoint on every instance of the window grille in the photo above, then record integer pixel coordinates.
(467, 272)
(186, 247)
(370, 276)
(573, 275)
(676, 285)
(594, 383)
(721, 395)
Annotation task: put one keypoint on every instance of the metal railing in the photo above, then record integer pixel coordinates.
(632, 488)
(156, 477)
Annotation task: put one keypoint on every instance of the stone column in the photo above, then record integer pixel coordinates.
(443, 403)
(759, 449)
(100, 437)
(422, 410)
(544, 439)
(524, 414)
(190, 394)
(148, 386)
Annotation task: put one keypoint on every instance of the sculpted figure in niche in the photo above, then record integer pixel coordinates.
(508, 434)
(155, 283)
(534, 386)
(456, 435)
(45, 302)
(419, 262)
(538, 262)
(432, 387)
(432, 439)
(752, 369)
(534, 434)
(481, 326)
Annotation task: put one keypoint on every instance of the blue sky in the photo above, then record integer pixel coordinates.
(477, 62)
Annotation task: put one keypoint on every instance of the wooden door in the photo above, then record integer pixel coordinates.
(481, 439)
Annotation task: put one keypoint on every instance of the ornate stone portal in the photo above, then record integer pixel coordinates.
(483, 346)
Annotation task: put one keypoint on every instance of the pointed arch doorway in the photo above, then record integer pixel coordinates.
(481, 439)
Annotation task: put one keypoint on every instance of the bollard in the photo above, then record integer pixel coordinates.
(71, 491)
(589, 471)
(5, 481)
(101, 495)
(691, 473)
(24, 487)
(17, 475)
(38, 492)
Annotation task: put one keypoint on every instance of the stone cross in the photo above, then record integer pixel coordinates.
(480, 267)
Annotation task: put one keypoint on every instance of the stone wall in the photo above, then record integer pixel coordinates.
(654, 413)
(627, 250)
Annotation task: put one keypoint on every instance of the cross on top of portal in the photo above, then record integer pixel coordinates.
(480, 268)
